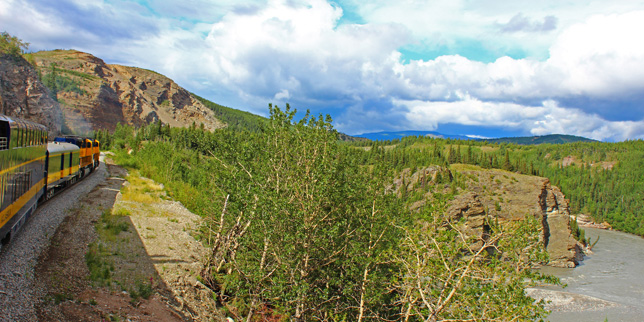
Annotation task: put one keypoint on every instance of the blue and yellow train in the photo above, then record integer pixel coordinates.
(33, 170)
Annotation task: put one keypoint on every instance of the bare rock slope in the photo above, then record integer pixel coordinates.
(23, 95)
(100, 95)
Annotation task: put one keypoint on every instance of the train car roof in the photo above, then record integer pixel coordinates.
(18, 122)
(5, 118)
(61, 147)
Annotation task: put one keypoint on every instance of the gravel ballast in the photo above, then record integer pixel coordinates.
(18, 259)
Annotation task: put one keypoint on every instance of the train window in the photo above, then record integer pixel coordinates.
(70, 160)
(4, 136)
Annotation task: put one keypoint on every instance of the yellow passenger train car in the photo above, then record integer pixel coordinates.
(63, 166)
(23, 147)
(32, 170)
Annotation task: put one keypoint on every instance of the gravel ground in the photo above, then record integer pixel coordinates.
(18, 259)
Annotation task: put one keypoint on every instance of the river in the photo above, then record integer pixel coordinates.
(609, 283)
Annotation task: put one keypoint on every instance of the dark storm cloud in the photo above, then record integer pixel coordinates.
(521, 23)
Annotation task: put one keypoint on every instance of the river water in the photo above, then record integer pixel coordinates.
(609, 284)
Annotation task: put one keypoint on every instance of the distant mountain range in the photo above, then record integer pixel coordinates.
(384, 136)
(527, 140)
(552, 139)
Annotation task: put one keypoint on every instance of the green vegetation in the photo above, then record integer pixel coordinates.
(302, 226)
(141, 289)
(236, 119)
(97, 258)
(545, 139)
(604, 180)
(12, 45)
(99, 265)
(56, 82)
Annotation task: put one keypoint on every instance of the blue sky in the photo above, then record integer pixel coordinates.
(485, 67)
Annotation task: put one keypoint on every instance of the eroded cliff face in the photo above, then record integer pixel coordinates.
(563, 249)
(501, 196)
(23, 95)
(104, 95)
(511, 196)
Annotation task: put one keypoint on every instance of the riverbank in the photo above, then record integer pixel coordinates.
(606, 285)
(585, 221)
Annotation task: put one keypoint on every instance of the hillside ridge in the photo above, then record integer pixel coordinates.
(94, 95)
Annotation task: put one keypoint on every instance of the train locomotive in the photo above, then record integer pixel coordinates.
(33, 170)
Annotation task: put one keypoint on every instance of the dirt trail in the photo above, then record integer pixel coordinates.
(126, 253)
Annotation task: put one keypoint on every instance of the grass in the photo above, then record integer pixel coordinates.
(111, 225)
(78, 74)
(464, 167)
(60, 297)
(98, 256)
(141, 190)
(141, 290)
(99, 264)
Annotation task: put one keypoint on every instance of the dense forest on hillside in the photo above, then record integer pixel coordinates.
(604, 180)
(235, 119)
(543, 139)
(303, 226)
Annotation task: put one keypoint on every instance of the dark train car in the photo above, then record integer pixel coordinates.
(63, 166)
(23, 148)
(86, 147)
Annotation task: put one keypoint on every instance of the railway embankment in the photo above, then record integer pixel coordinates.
(113, 247)
(18, 259)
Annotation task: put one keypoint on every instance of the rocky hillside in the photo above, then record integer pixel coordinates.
(502, 196)
(95, 95)
(23, 95)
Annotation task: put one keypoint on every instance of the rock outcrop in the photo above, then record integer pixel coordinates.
(431, 175)
(501, 196)
(23, 95)
(563, 249)
(512, 196)
(469, 206)
(586, 221)
(102, 95)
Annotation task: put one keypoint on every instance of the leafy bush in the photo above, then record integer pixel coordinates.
(12, 45)
(300, 225)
